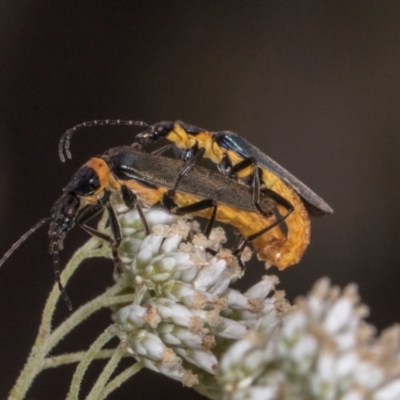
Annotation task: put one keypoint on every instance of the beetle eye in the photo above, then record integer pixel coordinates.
(163, 128)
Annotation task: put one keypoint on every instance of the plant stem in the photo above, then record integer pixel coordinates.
(83, 365)
(120, 379)
(45, 340)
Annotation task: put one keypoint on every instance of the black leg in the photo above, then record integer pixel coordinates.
(211, 221)
(279, 199)
(188, 166)
(113, 245)
(225, 166)
(114, 242)
(162, 150)
(256, 189)
(191, 156)
(256, 186)
(255, 182)
(131, 201)
(89, 212)
(242, 165)
(237, 250)
(266, 229)
(169, 203)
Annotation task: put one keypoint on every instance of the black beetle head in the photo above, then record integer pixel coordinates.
(157, 131)
(63, 214)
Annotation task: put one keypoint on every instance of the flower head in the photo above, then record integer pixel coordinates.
(184, 314)
(323, 350)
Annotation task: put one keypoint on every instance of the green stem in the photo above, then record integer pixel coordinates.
(104, 300)
(71, 358)
(88, 250)
(103, 378)
(46, 340)
(120, 379)
(84, 364)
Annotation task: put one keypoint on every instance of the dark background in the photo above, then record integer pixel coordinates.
(315, 85)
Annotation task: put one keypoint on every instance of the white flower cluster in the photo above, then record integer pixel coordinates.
(324, 350)
(184, 315)
(187, 323)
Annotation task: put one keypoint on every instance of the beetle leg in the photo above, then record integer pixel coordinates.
(188, 166)
(256, 186)
(195, 207)
(255, 181)
(114, 241)
(266, 229)
(281, 201)
(225, 166)
(162, 150)
(131, 201)
(237, 250)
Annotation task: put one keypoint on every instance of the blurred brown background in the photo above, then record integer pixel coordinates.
(314, 84)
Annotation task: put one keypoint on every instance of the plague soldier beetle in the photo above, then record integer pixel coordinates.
(237, 158)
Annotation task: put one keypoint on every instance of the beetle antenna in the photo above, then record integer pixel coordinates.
(65, 140)
(56, 263)
(22, 239)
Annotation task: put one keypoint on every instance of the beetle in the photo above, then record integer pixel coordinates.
(151, 179)
(238, 158)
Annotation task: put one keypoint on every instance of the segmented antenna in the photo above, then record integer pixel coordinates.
(55, 257)
(56, 263)
(22, 239)
(65, 140)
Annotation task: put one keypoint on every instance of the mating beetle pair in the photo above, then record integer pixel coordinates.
(240, 160)
(269, 195)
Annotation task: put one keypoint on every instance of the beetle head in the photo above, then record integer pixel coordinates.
(63, 214)
(157, 131)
